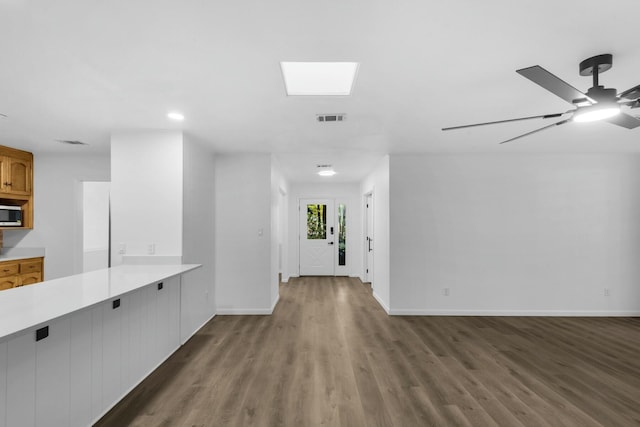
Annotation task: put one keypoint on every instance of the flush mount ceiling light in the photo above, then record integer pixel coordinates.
(175, 115)
(319, 78)
(326, 170)
(596, 112)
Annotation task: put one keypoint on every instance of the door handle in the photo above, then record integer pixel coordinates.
(369, 241)
(331, 243)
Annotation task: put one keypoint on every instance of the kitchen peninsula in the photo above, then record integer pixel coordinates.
(71, 348)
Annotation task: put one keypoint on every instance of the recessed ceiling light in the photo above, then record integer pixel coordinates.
(319, 78)
(329, 172)
(174, 115)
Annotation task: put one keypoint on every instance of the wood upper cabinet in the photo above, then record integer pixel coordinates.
(16, 182)
(16, 171)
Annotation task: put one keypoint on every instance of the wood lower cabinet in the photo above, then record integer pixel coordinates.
(21, 272)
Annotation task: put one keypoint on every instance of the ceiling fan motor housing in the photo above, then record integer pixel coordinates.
(602, 94)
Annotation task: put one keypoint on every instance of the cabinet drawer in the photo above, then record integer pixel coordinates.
(30, 278)
(30, 267)
(9, 269)
(8, 282)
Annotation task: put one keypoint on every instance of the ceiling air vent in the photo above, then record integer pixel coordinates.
(71, 142)
(331, 117)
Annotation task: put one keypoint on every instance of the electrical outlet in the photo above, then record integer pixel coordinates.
(607, 292)
(445, 292)
(151, 249)
(122, 249)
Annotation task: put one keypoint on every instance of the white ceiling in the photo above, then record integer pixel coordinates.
(80, 69)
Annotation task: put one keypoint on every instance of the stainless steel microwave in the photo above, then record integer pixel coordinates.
(10, 216)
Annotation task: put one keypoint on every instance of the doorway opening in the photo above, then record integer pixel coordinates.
(281, 234)
(368, 241)
(95, 226)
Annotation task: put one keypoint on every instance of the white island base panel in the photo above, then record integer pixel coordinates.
(71, 348)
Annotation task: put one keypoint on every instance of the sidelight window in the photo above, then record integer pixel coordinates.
(342, 234)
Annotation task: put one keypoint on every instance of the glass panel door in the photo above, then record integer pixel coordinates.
(317, 239)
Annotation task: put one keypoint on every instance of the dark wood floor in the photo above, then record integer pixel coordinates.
(330, 356)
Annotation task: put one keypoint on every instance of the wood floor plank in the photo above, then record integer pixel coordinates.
(330, 356)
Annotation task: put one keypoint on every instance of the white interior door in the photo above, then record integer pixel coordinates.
(317, 232)
(368, 247)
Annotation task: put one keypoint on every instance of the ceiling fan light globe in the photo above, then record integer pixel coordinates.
(595, 113)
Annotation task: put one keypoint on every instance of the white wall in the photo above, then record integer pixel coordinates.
(377, 183)
(243, 241)
(57, 210)
(346, 193)
(279, 198)
(198, 291)
(515, 234)
(146, 193)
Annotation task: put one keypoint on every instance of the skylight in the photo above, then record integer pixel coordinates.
(319, 78)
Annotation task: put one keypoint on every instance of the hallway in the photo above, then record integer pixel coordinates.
(329, 355)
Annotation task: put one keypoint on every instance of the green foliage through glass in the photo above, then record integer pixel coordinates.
(342, 234)
(316, 222)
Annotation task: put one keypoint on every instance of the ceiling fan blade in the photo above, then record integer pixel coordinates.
(544, 116)
(553, 84)
(632, 93)
(624, 120)
(537, 130)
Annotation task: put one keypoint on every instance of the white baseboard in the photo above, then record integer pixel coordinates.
(381, 302)
(275, 302)
(243, 311)
(545, 313)
(248, 311)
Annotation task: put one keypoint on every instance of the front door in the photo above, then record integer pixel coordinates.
(317, 244)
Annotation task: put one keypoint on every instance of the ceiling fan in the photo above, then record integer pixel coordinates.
(599, 103)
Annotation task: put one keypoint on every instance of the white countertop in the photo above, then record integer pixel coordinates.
(12, 254)
(28, 306)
